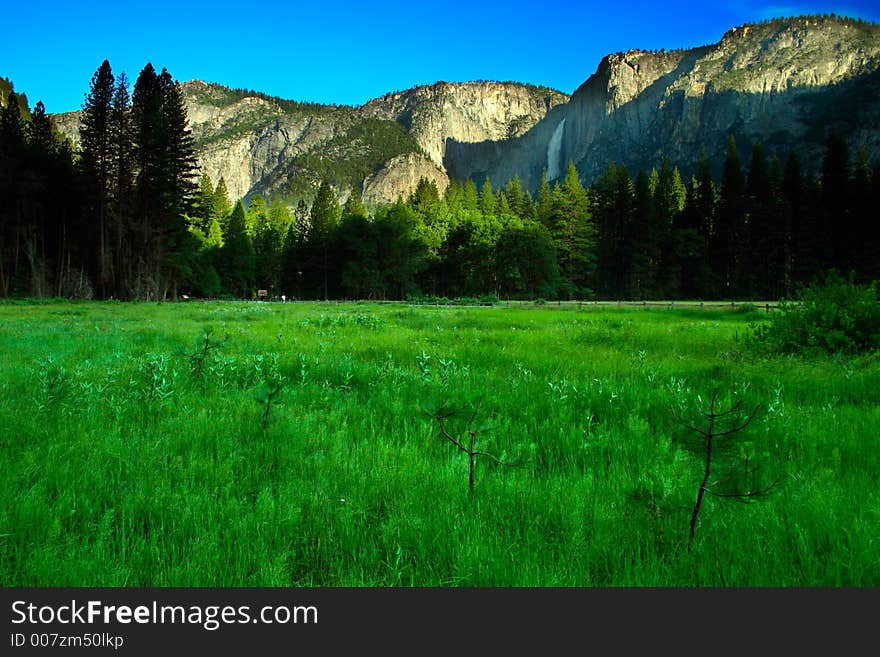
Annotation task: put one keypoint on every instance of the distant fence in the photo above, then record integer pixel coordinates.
(766, 306)
(742, 306)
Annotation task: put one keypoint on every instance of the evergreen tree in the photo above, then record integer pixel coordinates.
(302, 219)
(488, 202)
(729, 238)
(668, 202)
(425, 196)
(525, 262)
(40, 139)
(361, 276)
(268, 242)
(871, 226)
(503, 208)
(863, 213)
(613, 197)
(354, 205)
(96, 161)
(279, 216)
(642, 240)
(222, 206)
(122, 185)
(803, 212)
(165, 159)
(237, 260)
(203, 204)
(180, 172)
(256, 215)
(470, 199)
(692, 235)
(573, 235)
(544, 201)
(401, 254)
(519, 199)
(325, 214)
(764, 258)
(836, 229)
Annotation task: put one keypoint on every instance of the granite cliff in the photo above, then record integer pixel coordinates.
(787, 82)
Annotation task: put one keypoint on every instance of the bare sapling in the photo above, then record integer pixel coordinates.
(740, 482)
(467, 441)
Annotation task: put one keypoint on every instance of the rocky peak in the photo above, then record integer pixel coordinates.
(785, 81)
(466, 112)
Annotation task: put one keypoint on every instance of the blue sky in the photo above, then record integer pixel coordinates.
(348, 52)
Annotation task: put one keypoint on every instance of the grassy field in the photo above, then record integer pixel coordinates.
(295, 449)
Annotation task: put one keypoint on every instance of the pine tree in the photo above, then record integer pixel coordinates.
(165, 160)
(96, 161)
(519, 200)
(643, 241)
(804, 214)
(836, 221)
(470, 198)
(122, 184)
(279, 216)
(693, 232)
(729, 234)
(256, 214)
(237, 261)
(203, 204)
(864, 216)
(544, 201)
(425, 196)
(40, 139)
(325, 214)
(354, 205)
(668, 202)
(488, 202)
(573, 235)
(181, 170)
(764, 256)
(222, 206)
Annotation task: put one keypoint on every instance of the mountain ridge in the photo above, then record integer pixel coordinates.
(785, 81)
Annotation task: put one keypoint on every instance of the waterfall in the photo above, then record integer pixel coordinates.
(553, 151)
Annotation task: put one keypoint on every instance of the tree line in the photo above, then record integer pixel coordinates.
(125, 216)
(109, 219)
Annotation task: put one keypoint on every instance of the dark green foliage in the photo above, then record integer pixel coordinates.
(96, 162)
(354, 206)
(425, 197)
(236, 256)
(525, 262)
(612, 203)
(164, 187)
(319, 262)
(728, 241)
(380, 259)
(573, 232)
(268, 227)
(837, 315)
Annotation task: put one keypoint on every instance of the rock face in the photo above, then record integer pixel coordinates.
(400, 176)
(259, 144)
(786, 82)
(467, 113)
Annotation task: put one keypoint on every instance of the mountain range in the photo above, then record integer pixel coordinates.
(787, 82)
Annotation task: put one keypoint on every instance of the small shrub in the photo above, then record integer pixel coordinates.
(837, 316)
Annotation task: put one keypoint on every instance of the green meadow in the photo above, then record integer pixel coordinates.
(277, 445)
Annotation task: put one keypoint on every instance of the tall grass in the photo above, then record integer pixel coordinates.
(124, 466)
